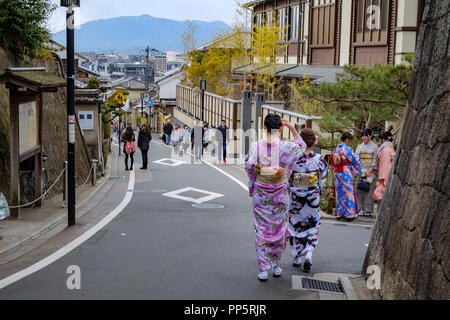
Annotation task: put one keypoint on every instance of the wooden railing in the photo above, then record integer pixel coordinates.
(290, 116)
(217, 108)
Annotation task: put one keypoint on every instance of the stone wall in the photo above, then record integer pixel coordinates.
(411, 241)
(54, 131)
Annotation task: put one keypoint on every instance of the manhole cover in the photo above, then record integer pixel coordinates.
(150, 191)
(321, 285)
(208, 206)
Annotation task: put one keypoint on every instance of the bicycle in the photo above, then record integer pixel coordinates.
(27, 184)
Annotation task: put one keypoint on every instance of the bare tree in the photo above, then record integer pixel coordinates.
(189, 37)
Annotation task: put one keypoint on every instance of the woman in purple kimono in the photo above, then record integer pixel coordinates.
(306, 185)
(345, 163)
(269, 166)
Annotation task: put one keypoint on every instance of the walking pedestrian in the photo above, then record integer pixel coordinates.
(222, 139)
(269, 165)
(384, 159)
(167, 129)
(366, 181)
(306, 184)
(144, 139)
(206, 137)
(197, 136)
(345, 164)
(186, 138)
(175, 137)
(129, 148)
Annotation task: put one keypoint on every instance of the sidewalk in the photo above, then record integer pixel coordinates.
(34, 222)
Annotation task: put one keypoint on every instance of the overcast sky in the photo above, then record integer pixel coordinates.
(205, 10)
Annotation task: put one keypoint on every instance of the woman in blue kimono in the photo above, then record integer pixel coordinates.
(345, 163)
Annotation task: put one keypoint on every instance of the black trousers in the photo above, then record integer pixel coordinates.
(126, 160)
(144, 158)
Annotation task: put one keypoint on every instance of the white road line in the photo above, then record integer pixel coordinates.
(74, 244)
(243, 185)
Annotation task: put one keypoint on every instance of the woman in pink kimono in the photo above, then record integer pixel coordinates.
(269, 166)
(384, 158)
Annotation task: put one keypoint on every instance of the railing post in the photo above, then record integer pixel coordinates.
(246, 119)
(66, 179)
(94, 172)
(260, 98)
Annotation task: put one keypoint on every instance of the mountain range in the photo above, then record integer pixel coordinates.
(131, 35)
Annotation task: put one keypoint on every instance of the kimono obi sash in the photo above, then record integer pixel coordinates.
(264, 175)
(339, 161)
(366, 158)
(305, 180)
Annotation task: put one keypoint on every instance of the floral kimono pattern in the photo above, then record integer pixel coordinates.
(343, 178)
(270, 201)
(304, 206)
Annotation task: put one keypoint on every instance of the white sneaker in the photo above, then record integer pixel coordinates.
(297, 262)
(263, 276)
(276, 271)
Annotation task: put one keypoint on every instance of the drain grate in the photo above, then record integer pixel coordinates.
(208, 206)
(320, 285)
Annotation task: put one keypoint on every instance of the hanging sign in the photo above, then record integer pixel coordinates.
(71, 128)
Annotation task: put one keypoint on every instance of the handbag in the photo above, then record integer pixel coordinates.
(378, 193)
(363, 185)
(130, 147)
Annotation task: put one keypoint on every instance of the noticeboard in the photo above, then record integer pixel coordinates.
(28, 127)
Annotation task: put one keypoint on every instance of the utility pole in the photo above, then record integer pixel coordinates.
(147, 57)
(142, 108)
(71, 120)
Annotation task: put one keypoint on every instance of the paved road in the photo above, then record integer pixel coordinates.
(164, 248)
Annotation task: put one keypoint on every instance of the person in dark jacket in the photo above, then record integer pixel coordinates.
(168, 128)
(221, 137)
(128, 138)
(144, 139)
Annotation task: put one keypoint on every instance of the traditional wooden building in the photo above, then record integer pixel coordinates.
(340, 32)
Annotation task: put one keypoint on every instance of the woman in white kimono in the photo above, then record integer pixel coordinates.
(306, 185)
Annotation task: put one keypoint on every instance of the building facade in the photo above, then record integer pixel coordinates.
(340, 32)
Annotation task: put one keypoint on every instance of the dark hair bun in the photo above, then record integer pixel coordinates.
(346, 135)
(386, 135)
(273, 121)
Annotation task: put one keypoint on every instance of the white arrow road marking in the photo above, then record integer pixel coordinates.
(74, 244)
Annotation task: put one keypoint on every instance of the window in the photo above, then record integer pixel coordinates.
(269, 17)
(258, 20)
(86, 120)
(282, 23)
(294, 22)
(323, 25)
(372, 18)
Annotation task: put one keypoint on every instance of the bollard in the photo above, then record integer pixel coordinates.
(66, 186)
(94, 172)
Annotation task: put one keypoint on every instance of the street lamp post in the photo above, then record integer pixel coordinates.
(70, 26)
